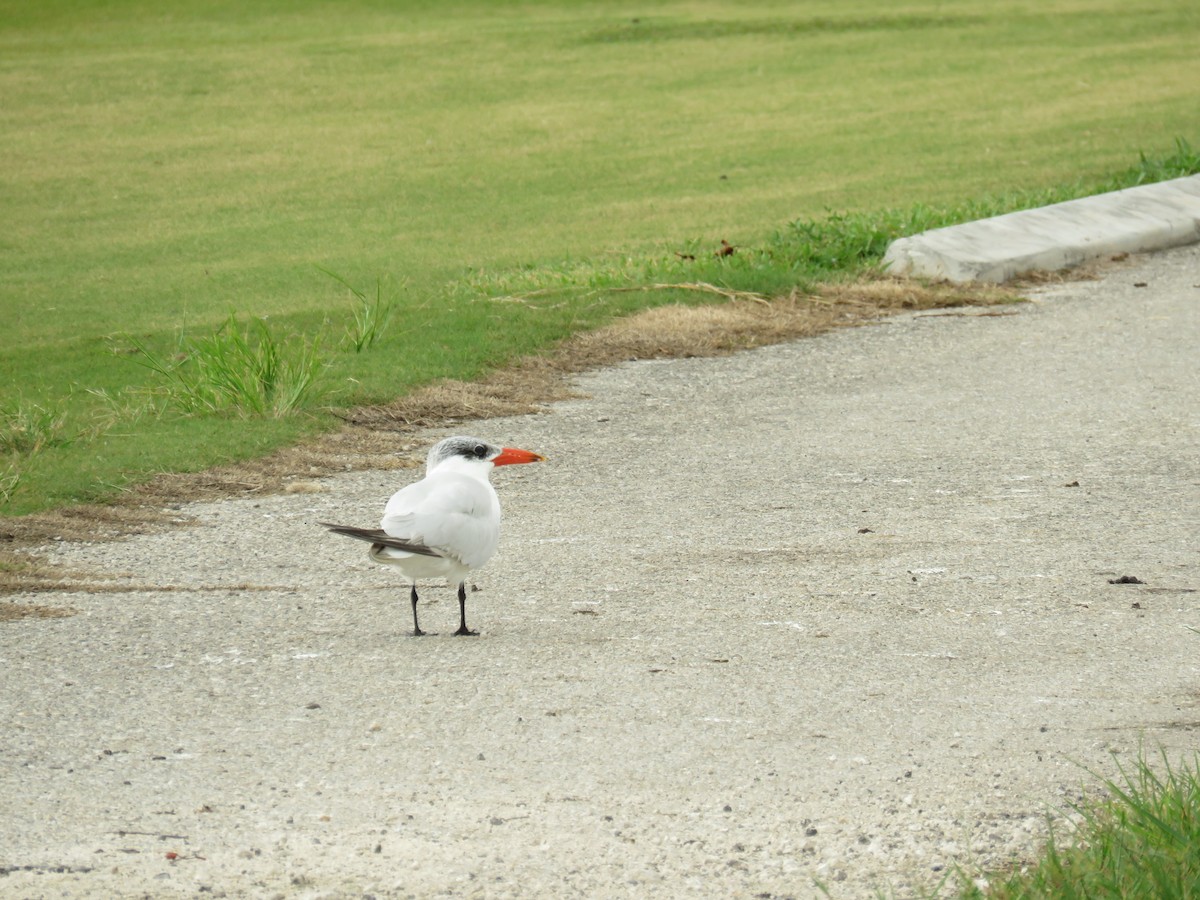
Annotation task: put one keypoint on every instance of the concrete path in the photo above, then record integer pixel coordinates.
(837, 610)
(1136, 220)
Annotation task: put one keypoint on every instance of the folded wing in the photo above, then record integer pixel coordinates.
(455, 515)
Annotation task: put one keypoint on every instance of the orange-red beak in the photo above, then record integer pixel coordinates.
(511, 455)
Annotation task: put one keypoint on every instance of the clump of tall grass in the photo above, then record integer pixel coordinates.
(10, 477)
(124, 408)
(244, 370)
(1142, 842)
(27, 428)
(369, 317)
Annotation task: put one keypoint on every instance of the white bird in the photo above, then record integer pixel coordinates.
(448, 523)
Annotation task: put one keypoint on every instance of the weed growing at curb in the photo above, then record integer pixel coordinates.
(1184, 161)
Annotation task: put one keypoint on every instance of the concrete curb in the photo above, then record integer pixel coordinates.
(1135, 220)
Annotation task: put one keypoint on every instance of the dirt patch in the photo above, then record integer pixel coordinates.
(15, 612)
(385, 436)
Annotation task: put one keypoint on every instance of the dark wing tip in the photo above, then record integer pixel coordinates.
(380, 538)
(363, 534)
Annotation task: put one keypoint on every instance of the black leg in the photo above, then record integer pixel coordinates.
(417, 632)
(462, 610)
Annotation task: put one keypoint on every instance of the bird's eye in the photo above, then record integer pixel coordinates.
(481, 451)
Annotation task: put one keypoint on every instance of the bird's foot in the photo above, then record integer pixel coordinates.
(417, 632)
(464, 631)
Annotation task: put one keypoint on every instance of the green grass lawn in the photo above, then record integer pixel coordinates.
(164, 166)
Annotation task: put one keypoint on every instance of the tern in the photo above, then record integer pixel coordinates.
(448, 523)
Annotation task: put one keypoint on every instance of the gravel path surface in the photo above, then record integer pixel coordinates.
(836, 610)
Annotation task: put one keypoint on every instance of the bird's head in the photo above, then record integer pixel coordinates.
(474, 450)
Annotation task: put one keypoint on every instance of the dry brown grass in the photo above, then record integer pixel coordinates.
(387, 436)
